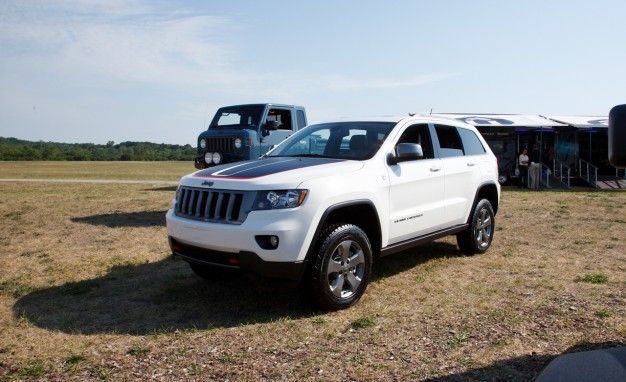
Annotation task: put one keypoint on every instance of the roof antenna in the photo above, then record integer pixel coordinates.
(411, 114)
(431, 111)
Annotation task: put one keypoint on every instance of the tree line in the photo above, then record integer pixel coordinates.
(18, 150)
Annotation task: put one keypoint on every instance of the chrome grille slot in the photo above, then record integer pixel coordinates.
(220, 144)
(215, 206)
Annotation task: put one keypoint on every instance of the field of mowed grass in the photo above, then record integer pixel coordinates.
(88, 291)
(95, 170)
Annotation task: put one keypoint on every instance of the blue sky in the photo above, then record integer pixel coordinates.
(93, 71)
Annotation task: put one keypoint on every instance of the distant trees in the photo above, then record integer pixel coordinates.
(16, 149)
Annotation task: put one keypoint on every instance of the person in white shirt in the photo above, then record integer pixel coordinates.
(522, 164)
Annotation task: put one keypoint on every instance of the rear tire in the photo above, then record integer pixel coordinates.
(341, 268)
(210, 273)
(478, 236)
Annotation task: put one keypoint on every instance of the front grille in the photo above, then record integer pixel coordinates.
(220, 145)
(216, 206)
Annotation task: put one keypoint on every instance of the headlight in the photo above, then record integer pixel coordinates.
(269, 200)
(208, 158)
(237, 143)
(217, 158)
(203, 143)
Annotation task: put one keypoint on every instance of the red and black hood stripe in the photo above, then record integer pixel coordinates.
(261, 167)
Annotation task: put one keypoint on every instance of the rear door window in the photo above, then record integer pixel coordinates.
(449, 141)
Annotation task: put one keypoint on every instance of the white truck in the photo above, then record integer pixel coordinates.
(320, 206)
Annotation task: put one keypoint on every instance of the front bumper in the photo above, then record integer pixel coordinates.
(200, 164)
(289, 225)
(246, 261)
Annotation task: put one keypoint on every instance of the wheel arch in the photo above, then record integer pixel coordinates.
(489, 191)
(355, 212)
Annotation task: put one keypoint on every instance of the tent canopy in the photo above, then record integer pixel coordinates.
(504, 120)
(582, 121)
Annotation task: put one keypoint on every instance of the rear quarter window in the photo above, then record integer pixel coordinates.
(471, 143)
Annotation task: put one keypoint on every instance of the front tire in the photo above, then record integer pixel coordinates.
(341, 268)
(478, 236)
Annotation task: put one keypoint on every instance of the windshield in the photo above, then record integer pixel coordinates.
(341, 140)
(238, 117)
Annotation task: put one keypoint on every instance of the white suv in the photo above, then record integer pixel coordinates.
(321, 205)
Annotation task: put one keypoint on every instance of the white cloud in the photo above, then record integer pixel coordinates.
(100, 40)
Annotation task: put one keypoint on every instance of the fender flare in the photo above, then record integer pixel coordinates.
(480, 186)
(327, 213)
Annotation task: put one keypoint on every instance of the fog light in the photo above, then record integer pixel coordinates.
(217, 158)
(267, 241)
(208, 158)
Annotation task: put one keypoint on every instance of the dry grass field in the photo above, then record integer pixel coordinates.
(95, 170)
(88, 291)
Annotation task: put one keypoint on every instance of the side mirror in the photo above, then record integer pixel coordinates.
(617, 136)
(405, 152)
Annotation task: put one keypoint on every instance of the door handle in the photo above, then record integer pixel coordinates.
(470, 164)
(435, 169)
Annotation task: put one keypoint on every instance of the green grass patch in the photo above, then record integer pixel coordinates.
(15, 289)
(195, 369)
(226, 358)
(357, 359)
(137, 351)
(73, 360)
(594, 278)
(457, 341)
(33, 369)
(319, 321)
(363, 322)
(602, 313)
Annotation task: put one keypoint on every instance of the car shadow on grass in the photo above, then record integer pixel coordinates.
(124, 219)
(166, 296)
(521, 369)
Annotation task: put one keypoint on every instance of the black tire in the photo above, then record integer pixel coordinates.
(209, 273)
(469, 241)
(342, 259)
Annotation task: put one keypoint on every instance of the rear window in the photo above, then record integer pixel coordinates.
(471, 143)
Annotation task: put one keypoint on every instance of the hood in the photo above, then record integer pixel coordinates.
(269, 173)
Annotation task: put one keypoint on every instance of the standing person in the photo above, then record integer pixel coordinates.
(522, 164)
(551, 157)
(535, 168)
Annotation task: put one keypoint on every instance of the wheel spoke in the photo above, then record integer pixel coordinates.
(353, 280)
(344, 249)
(337, 286)
(333, 267)
(486, 222)
(357, 259)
